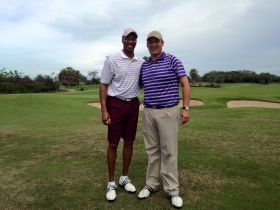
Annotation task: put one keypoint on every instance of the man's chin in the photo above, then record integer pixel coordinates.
(154, 53)
(130, 49)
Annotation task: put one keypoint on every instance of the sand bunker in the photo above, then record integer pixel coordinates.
(246, 103)
(230, 104)
(193, 103)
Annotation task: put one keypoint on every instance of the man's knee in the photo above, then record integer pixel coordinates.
(113, 146)
(128, 143)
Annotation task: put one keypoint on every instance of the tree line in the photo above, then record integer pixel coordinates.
(16, 82)
(238, 76)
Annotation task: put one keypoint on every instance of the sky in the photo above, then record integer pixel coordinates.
(45, 36)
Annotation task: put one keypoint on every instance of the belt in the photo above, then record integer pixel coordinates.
(159, 107)
(123, 99)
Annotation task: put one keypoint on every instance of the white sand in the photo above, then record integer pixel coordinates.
(230, 104)
(193, 103)
(246, 103)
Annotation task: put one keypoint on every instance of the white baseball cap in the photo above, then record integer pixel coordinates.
(128, 31)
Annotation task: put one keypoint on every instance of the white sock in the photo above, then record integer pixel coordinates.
(111, 183)
(123, 178)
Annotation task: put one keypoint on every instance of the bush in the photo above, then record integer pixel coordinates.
(7, 87)
(15, 82)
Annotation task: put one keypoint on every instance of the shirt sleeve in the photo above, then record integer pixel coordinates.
(140, 78)
(107, 72)
(178, 66)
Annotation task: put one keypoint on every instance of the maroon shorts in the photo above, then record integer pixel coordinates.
(124, 119)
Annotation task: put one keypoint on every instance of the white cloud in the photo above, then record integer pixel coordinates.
(43, 36)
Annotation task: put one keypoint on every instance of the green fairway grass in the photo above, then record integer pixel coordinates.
(53, 153)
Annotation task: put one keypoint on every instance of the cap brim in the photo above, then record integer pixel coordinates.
(153, 37)
(132, 32)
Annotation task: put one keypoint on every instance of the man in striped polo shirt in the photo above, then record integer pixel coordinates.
(160, 77)
(119, 89)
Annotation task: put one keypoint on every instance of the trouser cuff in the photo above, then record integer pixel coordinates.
(173, 193)
(150, 188)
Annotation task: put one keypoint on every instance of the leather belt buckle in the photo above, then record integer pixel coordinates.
(128, 99)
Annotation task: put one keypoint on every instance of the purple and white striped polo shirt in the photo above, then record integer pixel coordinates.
(160, 80)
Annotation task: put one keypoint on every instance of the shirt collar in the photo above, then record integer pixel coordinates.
(125, 56)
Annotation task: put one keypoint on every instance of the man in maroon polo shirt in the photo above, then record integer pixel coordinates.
(119, 89)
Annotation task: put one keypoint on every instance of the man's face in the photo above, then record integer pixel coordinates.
(129, 42)
(154, 46)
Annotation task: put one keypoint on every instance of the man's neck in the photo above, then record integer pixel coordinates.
(155, 57)
(129, 54)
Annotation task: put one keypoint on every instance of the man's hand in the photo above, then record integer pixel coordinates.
(106, 118)
(185, 116)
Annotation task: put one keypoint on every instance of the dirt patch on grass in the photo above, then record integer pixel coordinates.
(247, 103)
(8, 132)
(199, 183)
(15, 190)
(192, 103)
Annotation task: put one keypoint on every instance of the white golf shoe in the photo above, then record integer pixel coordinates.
(127, 185)
(111, 194)
(177, 201)
(145, 192)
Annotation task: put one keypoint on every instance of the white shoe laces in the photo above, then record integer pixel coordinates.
(111, 187)
(126, 181)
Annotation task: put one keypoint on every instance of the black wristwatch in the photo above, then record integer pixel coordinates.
(187, 108)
